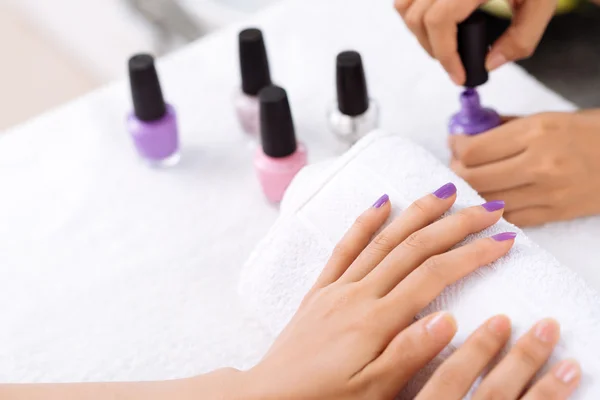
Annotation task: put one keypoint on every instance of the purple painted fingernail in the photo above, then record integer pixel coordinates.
(381, 201)
(503, 237)
(445, 191)
(493, 205)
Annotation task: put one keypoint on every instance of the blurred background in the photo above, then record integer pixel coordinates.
(55, 50)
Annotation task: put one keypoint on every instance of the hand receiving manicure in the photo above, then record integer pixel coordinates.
(511, 376)
(353, 336)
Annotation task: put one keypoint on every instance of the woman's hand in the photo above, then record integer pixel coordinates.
(434, 23)
(353, 337)
(509, 378)
(545, 167)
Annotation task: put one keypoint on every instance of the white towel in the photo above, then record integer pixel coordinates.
(527, 285)
(113, 271)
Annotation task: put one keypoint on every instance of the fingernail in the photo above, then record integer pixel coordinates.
(381, 201)
(495, 61)
(503, 237)
(492, 206)
(441, 325)
(499, 325)
(445, 191)
(547, 331)
(567, 372)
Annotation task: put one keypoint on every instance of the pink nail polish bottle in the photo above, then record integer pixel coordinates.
(280, 157)
(254, 67)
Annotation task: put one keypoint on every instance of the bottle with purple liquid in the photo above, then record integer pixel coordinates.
(153, 123)
(473, 118)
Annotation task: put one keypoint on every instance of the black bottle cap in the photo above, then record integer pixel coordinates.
(254, 63)
(148, 101)
(353, 96)
(277, 134)
(473, 48)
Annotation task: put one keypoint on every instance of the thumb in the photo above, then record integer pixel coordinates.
(410, 351)
(520, 40)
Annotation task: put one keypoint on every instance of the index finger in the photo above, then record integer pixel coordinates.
(441, 23)
(522, 37)
(500, 143)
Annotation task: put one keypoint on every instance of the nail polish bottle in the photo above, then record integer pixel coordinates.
(354, 114)
(473, 118)
(254, 67)
(280, 156)
(153, 123)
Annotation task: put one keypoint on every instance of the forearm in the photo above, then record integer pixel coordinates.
(94, 391)
(218, 385)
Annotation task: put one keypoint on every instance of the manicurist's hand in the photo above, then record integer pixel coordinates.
(353, 337)
(545, 167)
(510, 378)
(434, 23)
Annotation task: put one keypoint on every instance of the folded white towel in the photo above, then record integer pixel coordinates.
(527, 285)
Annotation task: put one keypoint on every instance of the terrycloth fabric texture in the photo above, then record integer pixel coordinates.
(110, 270)
(527, 285)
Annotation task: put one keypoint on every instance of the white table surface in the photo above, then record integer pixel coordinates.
(111, 270)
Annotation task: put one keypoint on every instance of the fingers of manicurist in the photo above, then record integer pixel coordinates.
(418, 215)
(411, 350)
(441, 24)
(495, 145)
(428, 281)
(558, 384)
(502, 175)
(532, 216)
(512, 375)
(450, 60)
(519, 198)
(402, 6)
(522, 37)
(415, 21)
(508, 118)
(355, 240)
(455, 377)
(430, 241)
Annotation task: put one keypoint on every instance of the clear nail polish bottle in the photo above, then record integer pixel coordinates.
(354, 114)
(280, 157)
(153, 123)
(254, 68)
(473, 119)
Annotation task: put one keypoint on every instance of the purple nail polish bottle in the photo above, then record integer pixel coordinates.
(153, 123)
(472, 118)
(256, 75)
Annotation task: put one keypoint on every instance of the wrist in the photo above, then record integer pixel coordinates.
(222, 384)
(255, 384)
